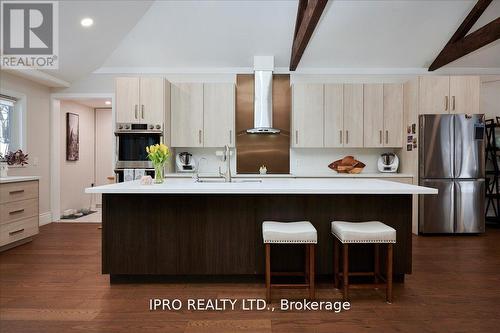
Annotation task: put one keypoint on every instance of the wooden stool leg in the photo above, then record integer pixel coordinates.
(268, 272)
(336, 251)
(376, 264)
(311, 271)
(345, 277)
(306, 270)
(389, 273)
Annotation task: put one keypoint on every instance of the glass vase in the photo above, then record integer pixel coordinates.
(159, 173)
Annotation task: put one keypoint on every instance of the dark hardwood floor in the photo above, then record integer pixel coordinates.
(54, 284)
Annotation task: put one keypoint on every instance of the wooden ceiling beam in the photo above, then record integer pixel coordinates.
(462, 44)
(300, 14)
(470, 20)
(308, 15)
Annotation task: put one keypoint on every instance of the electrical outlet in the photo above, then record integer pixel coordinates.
(35, 161)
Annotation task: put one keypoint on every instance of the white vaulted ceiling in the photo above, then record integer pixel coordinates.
(82, 50)
(191, 36)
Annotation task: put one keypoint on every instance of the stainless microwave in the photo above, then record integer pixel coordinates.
(131, 143)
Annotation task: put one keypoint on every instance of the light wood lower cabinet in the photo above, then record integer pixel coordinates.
(18, 212)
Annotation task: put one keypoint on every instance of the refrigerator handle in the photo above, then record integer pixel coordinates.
(457, 147)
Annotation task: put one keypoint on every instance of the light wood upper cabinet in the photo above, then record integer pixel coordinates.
(218, 114)
(127, 99)
(393, 115)
(152, 100)
(353, 115)
(434, 95)
(334, 115)
(449, 94)
(307, 115)
(187, 114)
(464, 94)
(373, 118)
(140, 100)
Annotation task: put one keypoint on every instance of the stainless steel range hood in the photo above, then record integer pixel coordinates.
(263, 96)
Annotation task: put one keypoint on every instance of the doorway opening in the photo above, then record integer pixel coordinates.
(82, 156)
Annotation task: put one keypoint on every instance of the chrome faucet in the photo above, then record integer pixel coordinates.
(196, 176)
(227, 158)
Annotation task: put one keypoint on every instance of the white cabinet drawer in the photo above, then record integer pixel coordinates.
(18, 210)
(18, 191)
(18, 230)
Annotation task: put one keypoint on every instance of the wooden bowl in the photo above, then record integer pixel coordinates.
(358, 168)
(347, 165)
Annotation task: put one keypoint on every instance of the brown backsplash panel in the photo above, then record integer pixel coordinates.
(271, 150)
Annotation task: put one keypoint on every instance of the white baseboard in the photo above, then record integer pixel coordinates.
(45, 218)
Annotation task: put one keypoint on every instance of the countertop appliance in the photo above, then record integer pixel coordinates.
(131, 143)
(184, 162)
(451, 159)
(388, 162)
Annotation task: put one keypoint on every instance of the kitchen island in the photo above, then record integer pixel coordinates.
(212, 228)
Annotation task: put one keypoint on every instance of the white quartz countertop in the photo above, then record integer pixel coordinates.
(299, 175)
(266, 186)
(15, 179)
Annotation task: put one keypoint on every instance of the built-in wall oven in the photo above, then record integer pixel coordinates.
(131, 143)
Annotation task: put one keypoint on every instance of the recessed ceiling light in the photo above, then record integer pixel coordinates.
(87, 22)
(107, 102)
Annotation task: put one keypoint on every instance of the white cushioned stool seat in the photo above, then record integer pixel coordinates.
(363, 232)
(289, 232)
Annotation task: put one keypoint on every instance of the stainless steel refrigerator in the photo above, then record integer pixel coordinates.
(451, 159)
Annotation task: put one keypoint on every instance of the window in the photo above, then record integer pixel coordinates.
(6, 115)
(12, 122)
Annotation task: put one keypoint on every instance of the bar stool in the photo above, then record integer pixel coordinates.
(290, 233)
(365, 232)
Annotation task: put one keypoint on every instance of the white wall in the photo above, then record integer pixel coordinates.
(103, 147)
(77, 175)
(38, 135)
(307, 161)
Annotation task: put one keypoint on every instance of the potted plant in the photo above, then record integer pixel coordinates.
(16, 158)
(158, 154)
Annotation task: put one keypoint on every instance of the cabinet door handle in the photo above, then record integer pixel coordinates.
(16, 211)
(296, 137)
(199, 136)
(453, 102)
(142, 111)
(386, 136)
(135, 111)
(340, 132)
(230, 137)
(446, 103)
(16, 232)
(380, 136)
(16, 191)
(346, 136)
